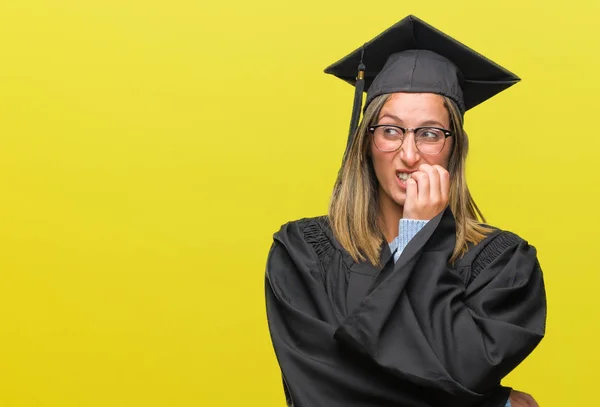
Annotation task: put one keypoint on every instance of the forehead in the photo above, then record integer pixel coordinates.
(416, 107)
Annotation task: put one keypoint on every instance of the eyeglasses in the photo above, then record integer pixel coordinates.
(429, 140)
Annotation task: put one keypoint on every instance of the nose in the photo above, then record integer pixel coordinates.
(408, 152)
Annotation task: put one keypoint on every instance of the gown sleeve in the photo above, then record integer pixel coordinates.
(422, 323)
(317, 371)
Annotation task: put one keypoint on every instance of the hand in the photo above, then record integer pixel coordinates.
(427, 192)
(520, 399)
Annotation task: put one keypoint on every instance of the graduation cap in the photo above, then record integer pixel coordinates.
(413, 56)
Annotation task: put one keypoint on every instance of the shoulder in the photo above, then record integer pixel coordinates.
(497, 239)
(501, 239)
(303, 227)
(311, 236)
(498, 248)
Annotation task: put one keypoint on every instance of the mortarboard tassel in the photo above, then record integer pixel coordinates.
(359, 87)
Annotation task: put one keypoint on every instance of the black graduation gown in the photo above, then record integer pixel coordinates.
(416, 333)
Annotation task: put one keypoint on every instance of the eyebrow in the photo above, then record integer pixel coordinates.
(391, 116)
(424, 124)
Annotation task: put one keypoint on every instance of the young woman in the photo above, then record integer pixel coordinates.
(401, 296)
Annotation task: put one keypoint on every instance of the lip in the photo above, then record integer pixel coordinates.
(401, 183)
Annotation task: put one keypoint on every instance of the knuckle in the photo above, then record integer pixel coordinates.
(442, 171)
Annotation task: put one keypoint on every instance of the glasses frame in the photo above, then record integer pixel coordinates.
(405, 131)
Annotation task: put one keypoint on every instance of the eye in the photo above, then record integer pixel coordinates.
(430, 134)
(390, 131)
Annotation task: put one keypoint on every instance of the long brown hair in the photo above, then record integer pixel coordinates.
(354, 209)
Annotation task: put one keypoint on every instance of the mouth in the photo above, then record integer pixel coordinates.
(404, 176)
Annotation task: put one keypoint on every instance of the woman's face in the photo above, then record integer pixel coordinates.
(408, 110)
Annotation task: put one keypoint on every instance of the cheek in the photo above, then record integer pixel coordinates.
(442, 159)
(447, 152)
(381, 163)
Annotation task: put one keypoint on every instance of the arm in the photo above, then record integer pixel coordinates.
(316, 370)
(407, 229)
(423, 323)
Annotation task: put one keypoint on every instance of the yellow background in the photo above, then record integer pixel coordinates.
(149, 150)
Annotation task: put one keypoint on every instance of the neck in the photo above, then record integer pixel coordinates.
(390, 214)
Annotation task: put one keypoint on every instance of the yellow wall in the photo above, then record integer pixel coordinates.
(149, 149)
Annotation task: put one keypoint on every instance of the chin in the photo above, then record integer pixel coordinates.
(399, 198)
(393, 195)
(399, 201)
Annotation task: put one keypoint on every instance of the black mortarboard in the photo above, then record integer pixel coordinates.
(413, 56)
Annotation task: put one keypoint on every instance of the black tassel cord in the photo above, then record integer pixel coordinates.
(359, 87)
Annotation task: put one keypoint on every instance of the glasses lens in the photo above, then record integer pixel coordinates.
(388, 138)
(430, 140)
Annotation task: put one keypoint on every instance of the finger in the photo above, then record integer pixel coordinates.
(435, 194)
(530, 400)
(516, 401)
(444, 183)
(411, 195)
(523, 399)
(422, 186)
